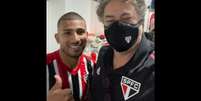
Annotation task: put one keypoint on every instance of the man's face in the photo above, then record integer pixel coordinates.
(116, 10)
(72, 37)
(123, 11)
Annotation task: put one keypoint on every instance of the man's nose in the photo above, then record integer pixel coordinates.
(76, 37)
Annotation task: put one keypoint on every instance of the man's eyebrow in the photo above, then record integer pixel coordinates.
(74, 29)
(68, 29)
(109, 16)
(125, 14)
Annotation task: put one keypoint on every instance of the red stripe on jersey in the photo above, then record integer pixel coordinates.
(55, 56)
(84, 76)
(52, 56)
(64, 70)
(64, 77)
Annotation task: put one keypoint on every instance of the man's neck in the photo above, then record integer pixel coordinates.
(122, 58)
(71, 62)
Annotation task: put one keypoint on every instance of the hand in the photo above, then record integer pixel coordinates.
(56, 93)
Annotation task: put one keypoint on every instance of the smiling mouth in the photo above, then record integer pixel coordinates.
(76, 47)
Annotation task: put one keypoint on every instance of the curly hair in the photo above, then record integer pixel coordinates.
(138, 4)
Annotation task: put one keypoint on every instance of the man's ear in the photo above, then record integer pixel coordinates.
(57, 37)
(141, 28)
(87, 34)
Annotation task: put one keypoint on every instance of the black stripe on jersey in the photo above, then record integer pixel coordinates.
(89, 68)
(51, 75)
(76, 90)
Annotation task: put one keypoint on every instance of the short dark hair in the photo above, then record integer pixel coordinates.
(70, 16)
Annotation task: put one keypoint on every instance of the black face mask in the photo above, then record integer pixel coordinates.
(121, 36)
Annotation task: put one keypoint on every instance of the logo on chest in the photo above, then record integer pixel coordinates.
(128, 39)
(129, 87)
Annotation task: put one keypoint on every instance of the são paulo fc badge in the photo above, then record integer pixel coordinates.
(128, 39)
(129, 87)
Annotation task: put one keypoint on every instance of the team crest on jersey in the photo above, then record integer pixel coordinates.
(129, 87)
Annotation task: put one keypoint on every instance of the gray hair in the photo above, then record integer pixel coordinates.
(138, 4)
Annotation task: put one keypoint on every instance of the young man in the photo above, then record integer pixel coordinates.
(125, 69)
(68, 69)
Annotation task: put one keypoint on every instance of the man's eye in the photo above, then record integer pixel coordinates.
(67, 33)
(81, 31)
(109, 21)
(106, 27)
(127, 20)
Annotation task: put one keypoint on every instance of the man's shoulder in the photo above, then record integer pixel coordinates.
(88, 61)
(103, 50)
(51, 56)
(150, 46)
(149, 63)
(88, 58)
(104, 56)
